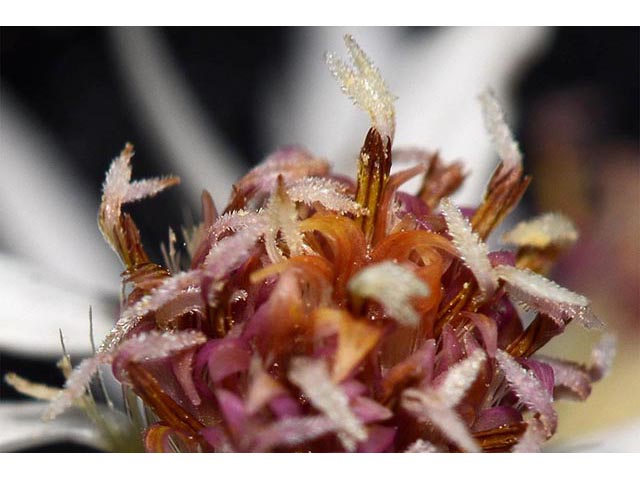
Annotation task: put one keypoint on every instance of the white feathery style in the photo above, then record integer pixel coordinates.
(329, 193)
(500, 133)
(529, 390)
(533, 291)
(366, 87)
(472, 250)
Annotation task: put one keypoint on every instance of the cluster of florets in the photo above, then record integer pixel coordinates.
(319, 313)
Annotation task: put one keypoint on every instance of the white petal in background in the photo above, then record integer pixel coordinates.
(165, 105)
(46, 213)
(22, 427)
(35, 303)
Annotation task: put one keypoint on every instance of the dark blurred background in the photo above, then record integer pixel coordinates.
(578, 105)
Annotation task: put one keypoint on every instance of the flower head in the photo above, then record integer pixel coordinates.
(318, 313)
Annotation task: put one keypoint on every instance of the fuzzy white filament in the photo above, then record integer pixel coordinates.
(366, 87)
(171, 288)
(393, 286)
(314, 380)
(327, 192)
(76, 384)
(144, 347)
(436, 405)
(500, 133)
(118, 190)
(472, 250)
(154, 344)
(529, 390)
(536, 292)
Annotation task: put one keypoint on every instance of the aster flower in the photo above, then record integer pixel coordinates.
(320, 313)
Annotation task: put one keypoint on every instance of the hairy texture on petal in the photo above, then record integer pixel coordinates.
(313, 379)
(118, 190)
(422, 446)
(366, 87)
(293, 431)
(436, 405)
(501, 136)
(147, 188)
(114, 191)
(154, 345)
(543, 295)
(393, 286)
(472, 250)
(227, 254)
(171, 288)
(229, 222)
(460, 377)
(507, 184)
(76, 384)
(329, 193)
(573, 379)
(529, 390)
(543, 231)
(232, 222)
(532, 439)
